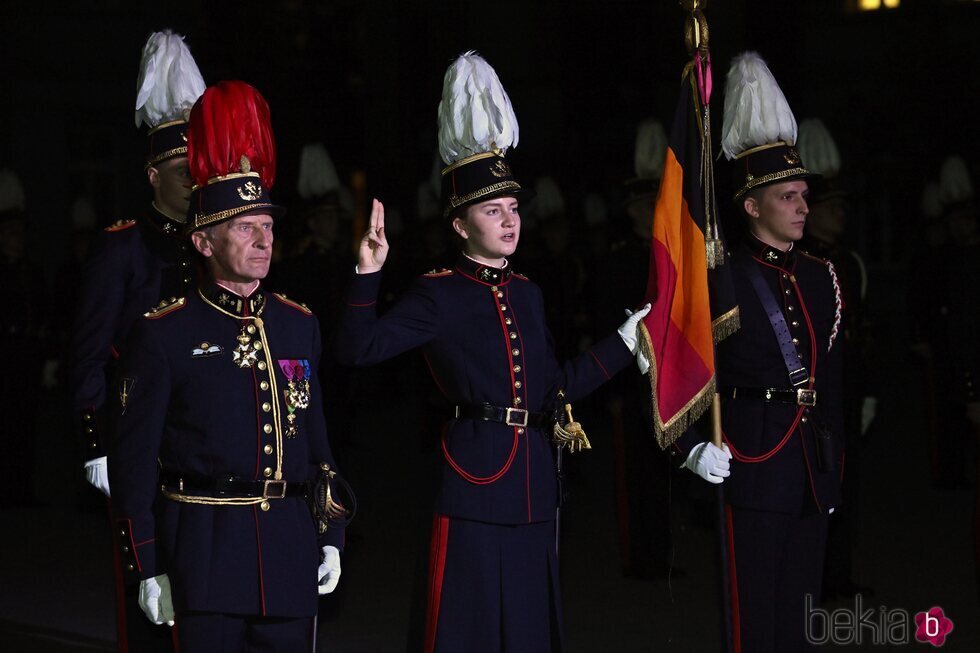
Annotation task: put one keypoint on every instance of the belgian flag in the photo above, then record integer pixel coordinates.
(689, 287)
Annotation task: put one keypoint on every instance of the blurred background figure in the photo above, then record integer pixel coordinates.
(23, 346)
(825, 237)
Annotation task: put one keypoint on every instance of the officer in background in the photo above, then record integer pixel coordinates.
(779, 379)
(132, 266)
(219, 418)
(823, 237)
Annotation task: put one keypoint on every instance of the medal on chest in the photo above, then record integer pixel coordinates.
(297, 391)
(246, 354)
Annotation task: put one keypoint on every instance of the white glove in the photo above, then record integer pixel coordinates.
(869, 408)
(709, 462)
(97, 473)
(627, 331)
(328, 574)
(155, 600)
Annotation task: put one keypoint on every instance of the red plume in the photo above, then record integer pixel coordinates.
(229, 121)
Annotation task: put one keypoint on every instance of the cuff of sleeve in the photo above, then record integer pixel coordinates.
(335, 536)
(363, 289)
(88, 428)
(137, 558)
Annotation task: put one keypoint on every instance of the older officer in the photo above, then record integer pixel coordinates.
(219, 417)
(493, 566)
(779, 378)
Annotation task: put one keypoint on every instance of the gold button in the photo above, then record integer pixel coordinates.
(87, 416)
(508, 321)
(267, 449)
(786, 291)
(123, 532)
(503, 308)
(264, 385)
(517, 384)
(131, 567)
(517, 400)
(513, 336)
(790, 308)
(785, 276)
(125, 549)
(89, 429)
(796, 341)
(250, 328)
(516, 352)
(520, 431)
(500, 294)
(517, 368)
(795, 323)
(265, 506)
(267, 472)
(266, 406)
(493, 288)
(262, 365)
(267, 428)
(205, 345)
(94, 445)
(257, 344)
(803, 419)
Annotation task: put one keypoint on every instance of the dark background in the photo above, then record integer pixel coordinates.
(896, 88)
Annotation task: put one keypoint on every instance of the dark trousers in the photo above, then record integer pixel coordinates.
(776, 560)
(209, 632)
(493, 588)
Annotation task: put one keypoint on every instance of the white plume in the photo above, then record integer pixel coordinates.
(651, 149)
(11, 191)
(475, 114)
(756, 111)
(595, 211)
(317, 174)
(955, 184)
(818, 149)
(548, 199)
(932, 204)
(169, 82)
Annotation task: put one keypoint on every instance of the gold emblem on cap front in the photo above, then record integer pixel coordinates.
(500, 169)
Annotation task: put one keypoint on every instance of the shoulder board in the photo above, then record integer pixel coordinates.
(441, 272)
(119, 225)
(165, 307)
(518, 275)
(302, 308)
(821, 261)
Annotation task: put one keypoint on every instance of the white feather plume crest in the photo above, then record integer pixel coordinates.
(548, 199)
(955, 184)
(756, 111)
(932, 204)
(651, 149)
(317, 173)
(817, 148)
(169, 82)
(475, 114)
(11, 191)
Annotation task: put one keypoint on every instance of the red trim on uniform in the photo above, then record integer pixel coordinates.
(809, 474)
(526, 393)
(482, 282)
(362, 305)
(120, 226)
(435, 378)
(843, 459)
(258, 547)
(152, 539)
(733, 583)
(599, 363)
(258, 422)
(290, 303)
(480, 480)
(437, 568)
(114, 351)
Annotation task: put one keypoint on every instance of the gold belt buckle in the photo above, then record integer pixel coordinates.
(278, 486)
(805, 397)
(508, 419)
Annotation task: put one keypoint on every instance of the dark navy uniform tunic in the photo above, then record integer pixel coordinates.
(133, 265)
(779, 494)
(483, 334)
(186, 409)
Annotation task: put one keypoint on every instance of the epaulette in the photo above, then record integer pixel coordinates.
(119, 225)
(518, 275)
(439, 272)
(821, 261)
(302, 308)
(165, 307)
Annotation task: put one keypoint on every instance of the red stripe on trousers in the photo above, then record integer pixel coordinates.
(733, 583)
(437, 565)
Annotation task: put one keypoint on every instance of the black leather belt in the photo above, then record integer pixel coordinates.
(508, 416)
(229, 486)
(800, 396)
